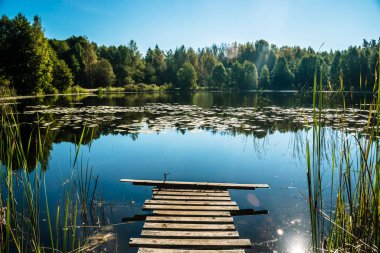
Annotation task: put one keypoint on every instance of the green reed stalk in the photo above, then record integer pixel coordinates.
(23, 190)
(354, 224)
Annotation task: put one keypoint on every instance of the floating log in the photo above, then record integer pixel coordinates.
(194, 185)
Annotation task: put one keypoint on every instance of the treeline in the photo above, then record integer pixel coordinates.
(31, 63)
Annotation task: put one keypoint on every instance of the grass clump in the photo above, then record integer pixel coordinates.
(344, 210)
(24, 202)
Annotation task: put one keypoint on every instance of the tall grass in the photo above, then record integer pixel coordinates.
(350, 221)
(24, 199)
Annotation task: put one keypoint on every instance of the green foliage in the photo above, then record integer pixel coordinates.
(264, 79)
(219, 76)
(281, 76)
(237, 75)
(155, 66)
(25, 60)
(103, 73)
(30, 63)
(306, 70)
(62, 77)
(250, 76)
(187, 77)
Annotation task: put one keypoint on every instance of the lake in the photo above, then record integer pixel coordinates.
(213, 137)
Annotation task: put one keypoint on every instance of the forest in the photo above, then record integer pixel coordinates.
(30, 63)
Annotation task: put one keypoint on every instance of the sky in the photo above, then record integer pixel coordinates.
(200, 23)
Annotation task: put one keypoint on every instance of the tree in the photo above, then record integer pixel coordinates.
(62, 77)
(26, 60)
(187, 77)
(155, 66)
(250, 76)
(281, 76)
(89, 58)
(335, 69)
(219, 76)
(306, 71)
(262, 49)
(103, 73)
(237, 75)
(206, 65)
(264, 79)
(247, 52)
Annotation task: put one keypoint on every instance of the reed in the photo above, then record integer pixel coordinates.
(350, 220)
(23, 192)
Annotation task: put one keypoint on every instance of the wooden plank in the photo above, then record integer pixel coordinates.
(186, 190)
(192, 213)
(187, 226)
(198, 198)
(152, 250)
(194, 208)
(190, 243)
(190, 219)
(191, 203)
(190, 234)
(205, 194)
(194, 185)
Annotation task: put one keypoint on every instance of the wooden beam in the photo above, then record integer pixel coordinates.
(187, 226)
(194, 185)
(188, 208)
(190, 243)
(152, 250)
(205, 194)
(183, 219)
(190, 234)
(191, 203)
(192, 213)
(197, 198)
(186, 190)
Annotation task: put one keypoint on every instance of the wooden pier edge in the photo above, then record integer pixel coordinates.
(194, 185)
(191, 217)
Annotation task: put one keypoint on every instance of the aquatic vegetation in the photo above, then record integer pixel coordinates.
(157, 117)
(25, 212)
(345, 212)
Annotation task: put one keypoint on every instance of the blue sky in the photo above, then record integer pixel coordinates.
(200, 23)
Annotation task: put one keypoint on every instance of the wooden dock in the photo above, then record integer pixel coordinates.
(190, 217)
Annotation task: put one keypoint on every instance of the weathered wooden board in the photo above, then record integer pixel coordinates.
(194, 185)
(155, 250)
(190, 243)
(182, 219)
(186, 190)
(192, 213)
(189, 234)
(188, 226)
(193, 208)
(190, 202)
(210, 194)
(197, 198)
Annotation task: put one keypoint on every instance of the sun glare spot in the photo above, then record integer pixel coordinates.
(297, 249)
(280, 231)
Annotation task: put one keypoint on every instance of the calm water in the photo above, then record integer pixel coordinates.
(215, 137)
